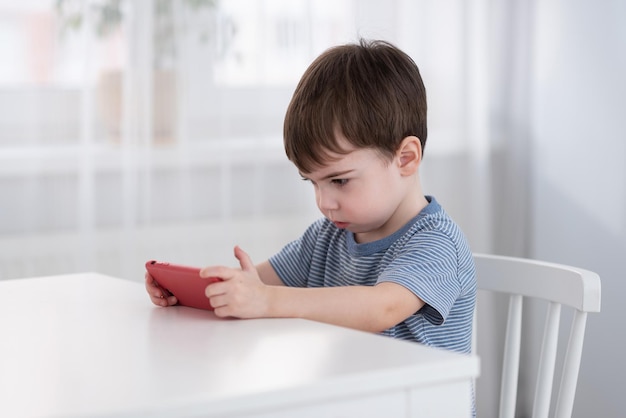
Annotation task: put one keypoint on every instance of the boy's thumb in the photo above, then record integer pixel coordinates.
(244, 259)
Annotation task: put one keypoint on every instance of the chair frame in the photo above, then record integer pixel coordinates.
(560, 285)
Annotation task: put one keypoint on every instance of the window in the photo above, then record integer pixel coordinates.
(152, 115)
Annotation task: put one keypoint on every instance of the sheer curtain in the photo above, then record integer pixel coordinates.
(133, 130)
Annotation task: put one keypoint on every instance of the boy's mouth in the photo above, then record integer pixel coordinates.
(341, 225)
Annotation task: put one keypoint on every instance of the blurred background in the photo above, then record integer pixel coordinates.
(136, 130)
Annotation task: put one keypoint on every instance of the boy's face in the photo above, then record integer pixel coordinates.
(362, 192)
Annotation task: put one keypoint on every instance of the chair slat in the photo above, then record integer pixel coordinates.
(571, 366)
(547, 362)
(510, 364)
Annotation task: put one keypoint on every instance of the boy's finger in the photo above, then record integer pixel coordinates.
(244, 259)
(221, 272)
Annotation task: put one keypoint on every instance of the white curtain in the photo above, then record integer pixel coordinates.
(136, 130)
(139, 129)
(153, 130)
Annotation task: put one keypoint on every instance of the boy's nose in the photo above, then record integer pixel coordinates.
(325, 201)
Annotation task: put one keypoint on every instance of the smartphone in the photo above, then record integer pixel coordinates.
(184, 282)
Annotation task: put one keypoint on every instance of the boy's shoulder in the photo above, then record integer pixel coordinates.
(436, 216)
(434, 224)
(432, 217)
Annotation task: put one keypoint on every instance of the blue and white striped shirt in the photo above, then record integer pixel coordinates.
(429, 256)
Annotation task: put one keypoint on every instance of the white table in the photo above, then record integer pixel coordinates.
(93, 345)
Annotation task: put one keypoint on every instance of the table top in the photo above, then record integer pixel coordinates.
(87, 344)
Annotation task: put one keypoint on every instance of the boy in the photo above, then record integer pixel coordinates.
(385, 258)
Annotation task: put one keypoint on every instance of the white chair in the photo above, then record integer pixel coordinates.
(560, 285)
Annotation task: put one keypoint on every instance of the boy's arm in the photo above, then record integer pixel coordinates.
(368, 308)
(268, 275)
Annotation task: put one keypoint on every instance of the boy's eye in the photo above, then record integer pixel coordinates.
(340, 182)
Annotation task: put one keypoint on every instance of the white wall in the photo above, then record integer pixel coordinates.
(579, 175)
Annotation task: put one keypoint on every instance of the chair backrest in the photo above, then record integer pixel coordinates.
(559, 285)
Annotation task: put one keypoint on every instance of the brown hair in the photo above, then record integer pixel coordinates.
(370, 92)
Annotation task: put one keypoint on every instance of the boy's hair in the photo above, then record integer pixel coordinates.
(370, 92)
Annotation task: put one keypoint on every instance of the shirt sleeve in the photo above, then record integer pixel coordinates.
(293, 261)
(428, 267)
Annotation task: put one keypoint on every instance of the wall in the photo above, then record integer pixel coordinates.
(579, 176)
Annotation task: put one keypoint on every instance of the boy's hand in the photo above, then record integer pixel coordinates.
(241, 294)
(158, 295)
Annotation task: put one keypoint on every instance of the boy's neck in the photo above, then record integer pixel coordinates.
(409, 208)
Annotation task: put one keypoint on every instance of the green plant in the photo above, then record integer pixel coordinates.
(108, 15)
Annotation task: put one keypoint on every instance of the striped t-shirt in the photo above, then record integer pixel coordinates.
(429, 256)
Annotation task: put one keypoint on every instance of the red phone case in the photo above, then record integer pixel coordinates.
(184, 282)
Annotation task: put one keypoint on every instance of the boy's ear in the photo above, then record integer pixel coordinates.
(409, 155)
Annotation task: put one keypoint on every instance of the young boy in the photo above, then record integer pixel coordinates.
(385, 258)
